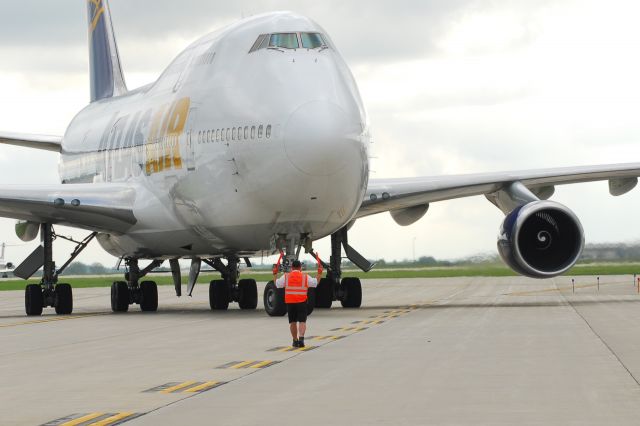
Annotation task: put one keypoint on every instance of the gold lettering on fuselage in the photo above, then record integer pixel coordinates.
(152, 137)
(163, 142)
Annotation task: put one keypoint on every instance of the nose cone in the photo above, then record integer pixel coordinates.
(321, 139)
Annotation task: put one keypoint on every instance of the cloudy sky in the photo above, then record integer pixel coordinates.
(451, 87)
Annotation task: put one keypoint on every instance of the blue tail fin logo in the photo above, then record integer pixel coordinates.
(98, 10)
(106, 77)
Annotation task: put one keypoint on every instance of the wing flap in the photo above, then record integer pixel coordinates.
(96, 207)
(393, 194)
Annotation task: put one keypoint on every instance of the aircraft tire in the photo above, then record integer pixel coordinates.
(219, 295)
(248, 294)
(324, 293)
(273, 299)
(33, 300)
(148, 296)
(311, 300)
(351, 293)
(64, 299)
(119, 296)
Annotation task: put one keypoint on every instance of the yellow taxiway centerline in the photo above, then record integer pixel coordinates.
(179, 386)
(82, 419)
(112, 419)
(201, 387)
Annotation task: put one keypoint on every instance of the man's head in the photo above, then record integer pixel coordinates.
(296, 265)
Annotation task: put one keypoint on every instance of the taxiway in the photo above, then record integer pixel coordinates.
(421, 351)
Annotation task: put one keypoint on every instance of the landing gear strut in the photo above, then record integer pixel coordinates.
(230, 288)
(333, 287)
(145, 293)
(49, 292)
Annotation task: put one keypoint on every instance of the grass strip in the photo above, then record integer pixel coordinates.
(439, 272)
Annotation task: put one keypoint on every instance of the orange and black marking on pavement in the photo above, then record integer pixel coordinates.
(385, 316)
(94, 419)
(292, 349)
(369, 322)
(355, 329)
(46, 319)
(237, 365)
(185, 387)
(318, 338)
(398, 311)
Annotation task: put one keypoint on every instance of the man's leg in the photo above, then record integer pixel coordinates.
(291, 311)
(302, 328)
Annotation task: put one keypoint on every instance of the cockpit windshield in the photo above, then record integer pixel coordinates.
(286, 40)
(289, 41)
(311, 40)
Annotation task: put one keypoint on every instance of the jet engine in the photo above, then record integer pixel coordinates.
(27, 231)
(541, 239)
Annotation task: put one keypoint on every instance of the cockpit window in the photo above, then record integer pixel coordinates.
(279, 41)
(286, 40)
(311, 40)
(258, 43)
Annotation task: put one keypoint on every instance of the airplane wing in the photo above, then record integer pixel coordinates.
(96, 207)
(397, 195)
(45, 142)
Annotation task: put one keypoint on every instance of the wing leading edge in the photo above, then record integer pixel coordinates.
(404, 193)
(45, 142)
(96, 207)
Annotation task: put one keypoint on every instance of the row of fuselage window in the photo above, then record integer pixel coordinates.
(235, 134)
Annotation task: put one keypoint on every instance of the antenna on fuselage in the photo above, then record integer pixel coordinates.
(105, 72)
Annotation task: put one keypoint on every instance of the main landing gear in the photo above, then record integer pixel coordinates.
(145, 293)
(347, 290)
(230, 288)
(49, 292)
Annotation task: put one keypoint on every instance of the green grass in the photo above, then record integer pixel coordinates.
(439, 272)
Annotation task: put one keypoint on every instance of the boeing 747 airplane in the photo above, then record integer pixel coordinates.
(201, 165)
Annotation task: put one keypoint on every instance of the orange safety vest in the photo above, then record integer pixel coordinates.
(295, 287)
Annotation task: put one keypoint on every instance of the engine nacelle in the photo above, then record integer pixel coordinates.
(541, 239)
(27, 231)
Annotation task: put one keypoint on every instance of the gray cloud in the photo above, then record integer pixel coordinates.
(364, 30)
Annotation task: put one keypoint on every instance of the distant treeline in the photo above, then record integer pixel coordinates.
(592, 252)
(79, 268)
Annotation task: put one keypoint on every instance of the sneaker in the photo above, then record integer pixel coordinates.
(301, 342)
(296, 344)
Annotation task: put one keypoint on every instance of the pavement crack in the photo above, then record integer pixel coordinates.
(595, 333)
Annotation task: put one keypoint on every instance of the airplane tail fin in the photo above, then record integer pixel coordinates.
(105, 70)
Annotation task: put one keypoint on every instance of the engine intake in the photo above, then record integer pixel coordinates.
(541, 239)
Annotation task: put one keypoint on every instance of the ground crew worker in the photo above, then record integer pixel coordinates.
(296, 284)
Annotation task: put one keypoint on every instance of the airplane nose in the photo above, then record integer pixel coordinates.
(321, 138)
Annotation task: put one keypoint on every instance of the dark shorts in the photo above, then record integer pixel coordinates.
(297, 312)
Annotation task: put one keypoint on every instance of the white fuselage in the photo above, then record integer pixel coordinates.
(229, 148)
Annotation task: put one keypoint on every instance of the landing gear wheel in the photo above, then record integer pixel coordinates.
(311, 299)
(148, 296)
(274, 300)
(33, 300)
(64, 299)
(351, 293)
(219, 295)
(119, 296)
(247, 294)
(324, 293)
